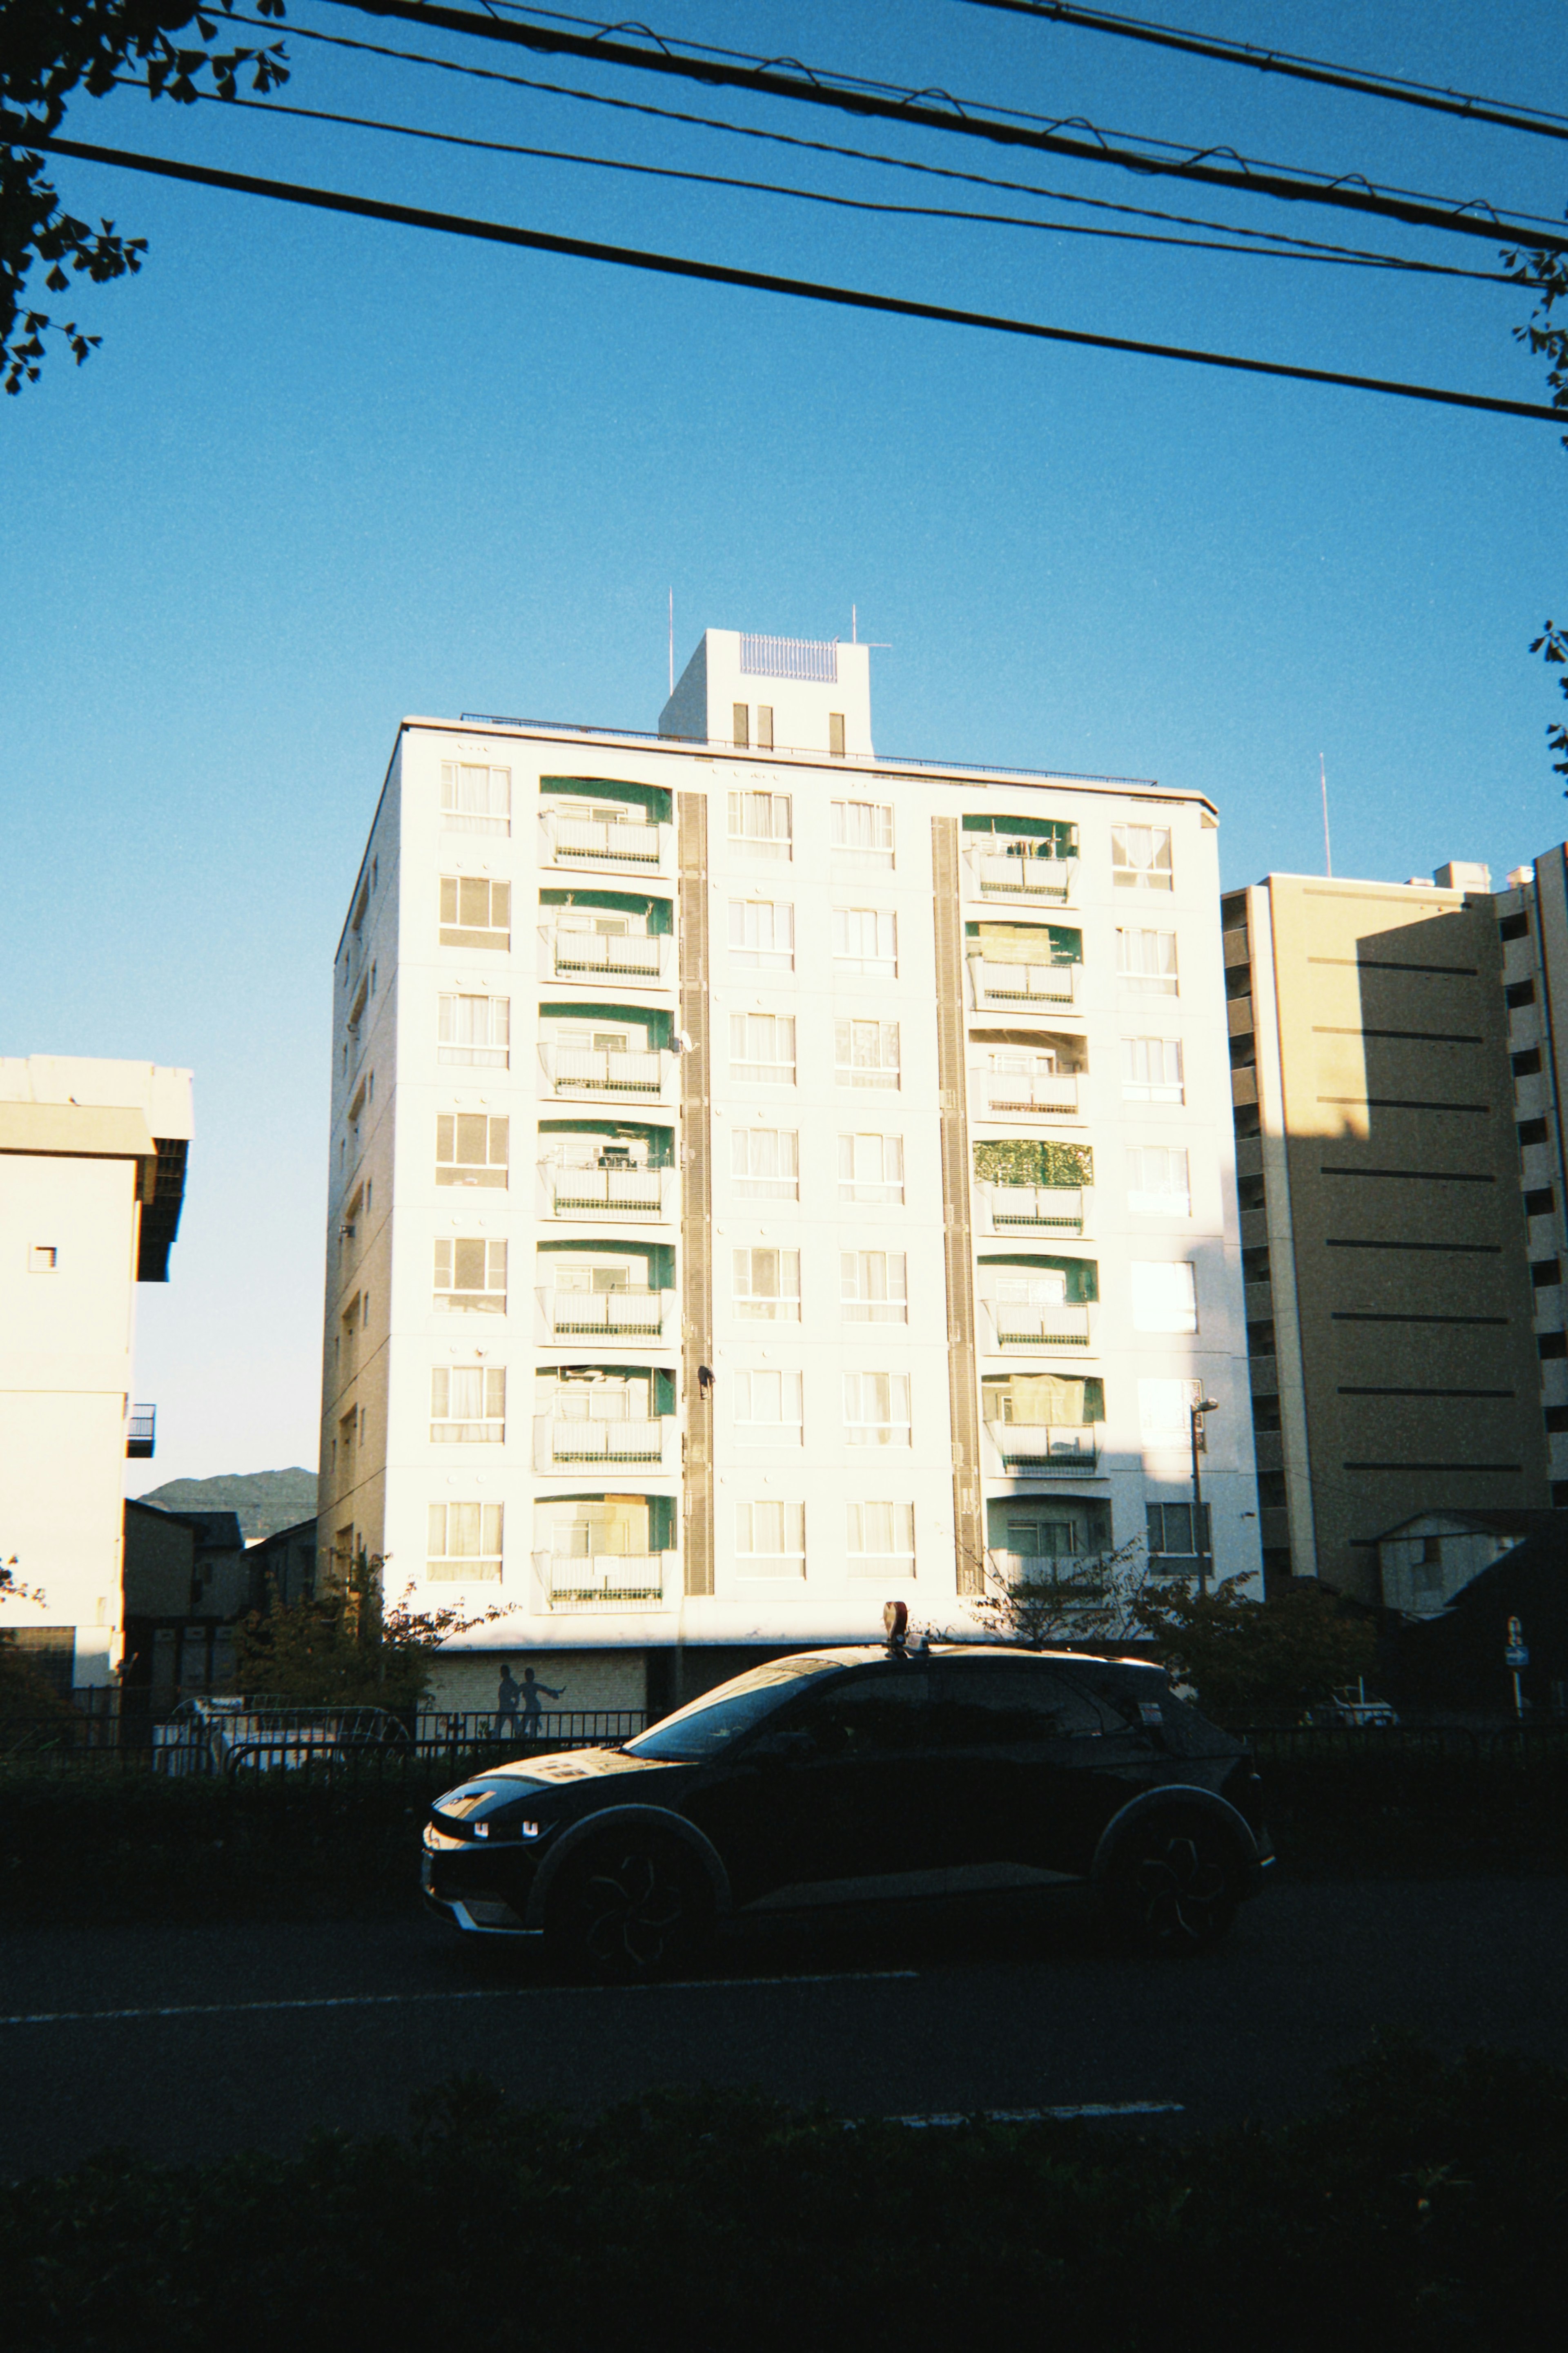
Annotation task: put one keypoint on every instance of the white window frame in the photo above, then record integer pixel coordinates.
(752, 1306)
(762, 823)
(1141, 857)
(887, 1189)
(1164, 1294)
(1154, 1069)
(449, 1524)
(489, 1297)
(1146, 962)
(783, 1185)
(900, 1524)
(885, 1071)
(865, 943)
(452, 1386)
(1165, 1201)
(755, 1385)
(476, 797)
(767, 1516)
(450, 1170)
(469, 1038)
(860, 1393)
(762, 934)
(861, 833)
(1165, 1415)
(873, 1286)
(747, 1068)
(489, 933)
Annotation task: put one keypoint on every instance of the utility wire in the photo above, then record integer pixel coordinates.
(1268, 237)
(670, 265)
(820, 197)
(1512, 117)
(787, 78)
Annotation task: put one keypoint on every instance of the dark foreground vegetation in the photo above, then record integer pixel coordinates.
(1424, 2211)
(117, 1844)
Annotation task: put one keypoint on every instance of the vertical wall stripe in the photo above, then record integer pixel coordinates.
(969, 1530)
(696, 1193)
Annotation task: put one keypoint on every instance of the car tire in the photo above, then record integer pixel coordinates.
(1174, 1883)
(628, 1911)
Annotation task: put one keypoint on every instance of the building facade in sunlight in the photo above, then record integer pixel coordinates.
(768, 1178)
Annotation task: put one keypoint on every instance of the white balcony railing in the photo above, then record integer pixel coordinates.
(1038, 1573)
(1028, 1090)
(641, 1195)
(567, 1445)
(605, 1582)
(1023, 987)
(1016, 1327)
(1038, 1449)
(1001, 874)
(605, 843)
(600, 1070)
(1031, 1209)
(642, 959)
(626, 1316)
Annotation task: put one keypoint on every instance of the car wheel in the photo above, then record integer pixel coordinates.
(1174, 1884)
(627, 1911)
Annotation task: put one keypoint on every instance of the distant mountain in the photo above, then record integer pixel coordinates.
(263, 1501)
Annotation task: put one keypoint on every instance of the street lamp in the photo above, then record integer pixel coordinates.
(1198, 1408)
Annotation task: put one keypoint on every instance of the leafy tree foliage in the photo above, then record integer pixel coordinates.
(346, 1649)
(1088, 1598)
(48, 50)
(1257, 1661)
(1547, 274)
(27, 1695)
(1024, 1160)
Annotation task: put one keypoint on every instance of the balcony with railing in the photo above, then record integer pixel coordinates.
(607, 1583)
(1044, 1575)
(619, 1075)
(605, 844)
(615, 1191)
(1026, 1327)
(1000, 1089)
(1032, 1209)
(1039, 1449)
(641, 959)
(562, 1444)
(140, 1432)
(1006, 866)
(634, 1317)
(1019, 987)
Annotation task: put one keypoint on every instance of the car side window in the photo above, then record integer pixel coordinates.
(997, 1705)
(884, 1713)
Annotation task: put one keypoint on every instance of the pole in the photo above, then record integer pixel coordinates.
(672, 641)
(1517, 1697)
(1327, 853)
(1198, 1544)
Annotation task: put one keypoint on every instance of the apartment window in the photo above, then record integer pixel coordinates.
(761, 935)
(471, 1276)
(475, 798)
(865, 1053)
(463, 1544)
(866, 941)
(764, 726)
(1165, 1415)
(768, 1408)
(43, 1258)
(872, 1286)
(881, 1539)
(861, 832)
(1152, 1070)
(871, 1167)
(1165, 1296)
(1171, 1545)
(770, 1539)
(467, 1404)
(876, 1408)
(765, 1163)
(1146, 962)
(475, 1032)
(1157, 1181)
(470, 1149)
(766, 1285)
(741, 726)
(835, 734)
(760, 823)
(1141, 857)
(762, 1046)
(475, 912)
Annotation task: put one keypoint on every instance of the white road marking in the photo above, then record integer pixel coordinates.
(382, 2000)
(1038, 2116)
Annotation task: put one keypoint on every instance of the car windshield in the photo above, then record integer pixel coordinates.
(708, 1725)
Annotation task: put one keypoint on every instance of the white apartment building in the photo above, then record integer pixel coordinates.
(92, 1172)
(767, 1178)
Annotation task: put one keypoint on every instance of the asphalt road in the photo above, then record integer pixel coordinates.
(186, 2042)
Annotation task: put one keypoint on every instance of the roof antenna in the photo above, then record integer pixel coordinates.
(672, 641)
(1327, 853)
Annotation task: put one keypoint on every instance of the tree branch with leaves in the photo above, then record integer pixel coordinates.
(1547, 338)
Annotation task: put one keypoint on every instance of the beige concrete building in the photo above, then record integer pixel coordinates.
(1392, 1321)
(93, 1167)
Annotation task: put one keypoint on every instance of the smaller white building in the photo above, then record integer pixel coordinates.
(93, 1171)
(1424, 1561)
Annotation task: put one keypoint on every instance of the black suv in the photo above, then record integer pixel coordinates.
(855, 1775)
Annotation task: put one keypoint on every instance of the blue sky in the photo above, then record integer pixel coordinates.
(323, 472)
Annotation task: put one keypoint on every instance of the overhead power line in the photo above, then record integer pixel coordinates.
(822, 196)
(939, 110)
(1284, 62)
(671, 265)
(1266, 238)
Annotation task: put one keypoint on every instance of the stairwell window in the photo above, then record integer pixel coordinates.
(1141, 857)
(470, 1149)
(762, 1047)
(475, 912)
(866, 942)
(761, 935)
(873, 1286)
(474, 797)
(865, 1053)
(876, 1408)
(765, 1285)
(463, 1545)
(880, 1539)
(861, 833)
(765, 1163)
(1152, 1070)
(871, 1168)
(471, 1276)
(475, 1032)
(768, 1408)
(770, 1539)
(1158, 1185)
(467, 1404)
(760, 824)
(1146, 963)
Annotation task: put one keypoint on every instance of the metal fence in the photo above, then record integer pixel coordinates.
(204, 1738)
